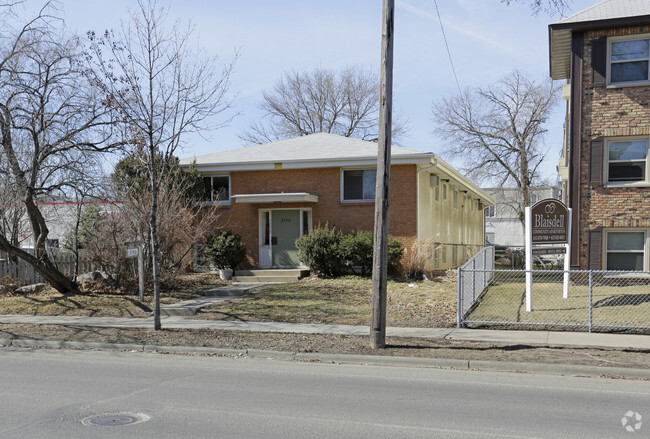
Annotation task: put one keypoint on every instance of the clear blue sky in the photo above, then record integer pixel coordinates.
(487, 40)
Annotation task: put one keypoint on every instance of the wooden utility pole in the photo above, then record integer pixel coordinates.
(382, 192)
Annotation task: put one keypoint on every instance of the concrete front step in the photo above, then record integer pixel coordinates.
(264, 279)
(275, 275)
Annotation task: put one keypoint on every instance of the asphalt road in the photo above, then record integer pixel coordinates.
(56, 393)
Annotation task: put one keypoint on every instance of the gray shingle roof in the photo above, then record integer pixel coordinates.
(312, 148)
(608, 10)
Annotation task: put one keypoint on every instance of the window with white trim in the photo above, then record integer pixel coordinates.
(454, 199)
(358, 184)
(490, 212)
(627, 160)
(626, 250)
(628, 60)
(217, 188)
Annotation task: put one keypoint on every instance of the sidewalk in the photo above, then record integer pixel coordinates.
(583, 339)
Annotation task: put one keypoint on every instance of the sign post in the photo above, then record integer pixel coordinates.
(547, 222)
(529, 261)
(567, 258)
(135, 249)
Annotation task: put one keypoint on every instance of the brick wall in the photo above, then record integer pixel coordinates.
(610, 112)
(243, 218)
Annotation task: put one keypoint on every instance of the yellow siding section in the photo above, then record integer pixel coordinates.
(449, 216)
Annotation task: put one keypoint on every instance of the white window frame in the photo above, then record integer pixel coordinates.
(445, 189)
(226, 202)
(491, 211)
(612, 40)
(606, 161)
(436, 194)
(645, 251)
(362, 200)
(454, 199)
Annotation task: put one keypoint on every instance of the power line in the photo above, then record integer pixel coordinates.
(444, 37)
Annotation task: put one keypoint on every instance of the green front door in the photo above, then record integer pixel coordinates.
(286, 229)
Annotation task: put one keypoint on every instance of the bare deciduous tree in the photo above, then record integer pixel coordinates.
(498, 131)
(182, 223)
(52, 124)
(165, 90)
(551, 7)
(13, 221)
(301, 103)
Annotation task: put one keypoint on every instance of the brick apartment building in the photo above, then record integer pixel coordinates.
(272, 194)
(604, 52)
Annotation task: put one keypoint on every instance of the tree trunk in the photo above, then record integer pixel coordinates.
(40, 259)
(43, 266)
(154, 246)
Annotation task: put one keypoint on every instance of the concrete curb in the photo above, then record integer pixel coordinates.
(367, 360)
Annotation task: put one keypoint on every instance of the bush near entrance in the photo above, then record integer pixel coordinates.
(224, 250)
(320, 251)
(330, 252)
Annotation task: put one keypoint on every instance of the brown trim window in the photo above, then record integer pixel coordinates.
(626, 250)
(627, 161)
(629, 60)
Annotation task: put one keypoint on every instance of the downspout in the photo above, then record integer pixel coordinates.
(434, 163)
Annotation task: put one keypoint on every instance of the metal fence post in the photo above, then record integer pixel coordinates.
(473, 280)
(460, 298)
(591, 299)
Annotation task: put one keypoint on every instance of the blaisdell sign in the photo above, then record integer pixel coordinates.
(549, 222)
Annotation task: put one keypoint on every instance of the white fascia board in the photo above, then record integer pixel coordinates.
(234, 167)
(306, 164)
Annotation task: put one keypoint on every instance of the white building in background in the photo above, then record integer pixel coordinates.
(502, 225)
(60, 217)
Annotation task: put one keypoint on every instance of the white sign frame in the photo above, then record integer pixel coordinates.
(528, 232)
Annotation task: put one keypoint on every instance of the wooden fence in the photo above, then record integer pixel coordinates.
(25, 273)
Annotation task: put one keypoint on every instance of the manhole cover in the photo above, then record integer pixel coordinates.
(115, 419)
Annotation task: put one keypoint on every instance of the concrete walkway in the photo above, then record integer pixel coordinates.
(211, 296)
(479, 335)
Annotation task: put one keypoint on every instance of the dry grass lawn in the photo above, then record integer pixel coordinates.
(613, 305)
(344, 300)
(99, 301)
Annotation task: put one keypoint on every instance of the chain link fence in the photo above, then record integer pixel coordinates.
(596, 301)
(474, 277)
